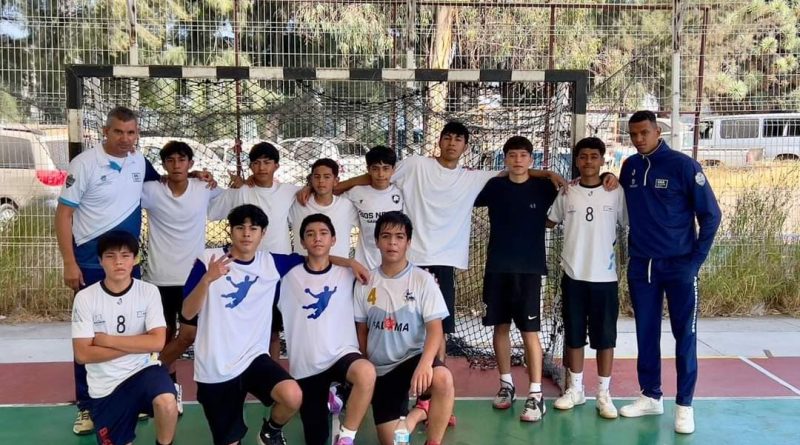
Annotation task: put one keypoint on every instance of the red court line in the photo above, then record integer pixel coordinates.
(786, 368)
(43, 383)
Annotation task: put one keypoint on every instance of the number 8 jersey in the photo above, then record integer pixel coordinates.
(590, 216)
(133, 311)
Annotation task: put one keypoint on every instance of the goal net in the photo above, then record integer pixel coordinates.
(313, 113)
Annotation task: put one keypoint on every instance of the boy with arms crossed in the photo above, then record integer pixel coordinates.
(176, 213)
(373, 200)
(316, 301)
(324, 177)
(232, 291)
(399, 323)
(116, 324)
(515, 264)
(590, 215)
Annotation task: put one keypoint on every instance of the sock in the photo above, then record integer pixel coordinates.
(159, 443)
(174, 377)
(576, 380)
(430, 442)
(604, 384)
(272, 427)
(535, 387)
(506, 380)
(344, 432)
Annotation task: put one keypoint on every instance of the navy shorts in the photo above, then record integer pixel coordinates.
(115, 416)
(390, 399)
(446, 279)
(223, 403)
(592, 307)
(512, 296)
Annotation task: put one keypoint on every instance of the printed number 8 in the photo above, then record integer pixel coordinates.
(589, 214)
(121, 324)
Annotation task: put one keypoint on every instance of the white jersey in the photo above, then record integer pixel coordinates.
(317, 310)
(233, 326)
(590, 216)
(104, 191)
(176, 230)
(439, 203)
(395, 310)
(275, 201)
(135, 311)
(370, 204)
(342, 215)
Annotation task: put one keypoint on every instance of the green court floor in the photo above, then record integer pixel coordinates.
(724, 421)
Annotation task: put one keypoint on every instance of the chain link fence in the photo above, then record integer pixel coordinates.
(738, 74)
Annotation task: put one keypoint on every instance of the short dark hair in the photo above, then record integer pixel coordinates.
(326, 162)
(394, 218)
(176, 147)
(456, 128)
(120, 113)
(316, 218)
(517, 143)
(264, 150)
(117, 240)
(257, 217)
(380, 154)
(590, 143)
(641, 116)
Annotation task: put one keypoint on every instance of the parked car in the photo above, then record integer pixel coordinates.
(204, 159)
(290, 172)
(348, 153)
(32, 167)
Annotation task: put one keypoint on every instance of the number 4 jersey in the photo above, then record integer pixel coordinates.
(134, 311)
(590, 216)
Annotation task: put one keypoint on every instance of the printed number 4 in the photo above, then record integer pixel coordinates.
(372, 298)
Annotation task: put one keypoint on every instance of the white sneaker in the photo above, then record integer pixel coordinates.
(684, 419)
(179, 398)
(572, 396)
(605, 406)
(643, 406)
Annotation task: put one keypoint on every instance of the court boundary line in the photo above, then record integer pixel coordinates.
(770, 375)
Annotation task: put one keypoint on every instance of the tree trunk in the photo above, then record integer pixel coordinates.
(440, 56)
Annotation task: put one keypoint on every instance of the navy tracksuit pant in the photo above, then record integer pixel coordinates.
(649, 280)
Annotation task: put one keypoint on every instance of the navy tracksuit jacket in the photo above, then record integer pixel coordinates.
(666, 192)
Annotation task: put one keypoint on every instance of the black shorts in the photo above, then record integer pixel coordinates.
(314, 411)
(115, 416)
(512, 296)
(445, 278)
(172, 302)
(390, 399)
(592, 307)
(223, 403)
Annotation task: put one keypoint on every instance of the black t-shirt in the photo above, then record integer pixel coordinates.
(517, 213)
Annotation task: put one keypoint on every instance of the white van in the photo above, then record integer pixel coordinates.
(739, 140)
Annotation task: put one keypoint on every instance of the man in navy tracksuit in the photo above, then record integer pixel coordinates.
(665, 191)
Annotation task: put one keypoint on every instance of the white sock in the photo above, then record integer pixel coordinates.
(576, 380)
(604, 383)
(506, 380)
(344, 432)
(535, 387)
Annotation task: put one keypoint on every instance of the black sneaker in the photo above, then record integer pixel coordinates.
(265, 437)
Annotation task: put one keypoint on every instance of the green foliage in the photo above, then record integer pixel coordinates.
(9, 112)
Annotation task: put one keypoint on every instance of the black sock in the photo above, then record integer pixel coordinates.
(174, 377)
(159, 443)
(272, 427)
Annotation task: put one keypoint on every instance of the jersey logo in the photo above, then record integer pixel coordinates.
(409, 296)
(700, 179)
(661, 183)
(323, 298)
(396, 199)
(70, 181)
(372, 297)
(241, 291)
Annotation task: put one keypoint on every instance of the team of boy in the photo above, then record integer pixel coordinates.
(401, 314)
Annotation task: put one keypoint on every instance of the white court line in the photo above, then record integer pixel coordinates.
(772, 376)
